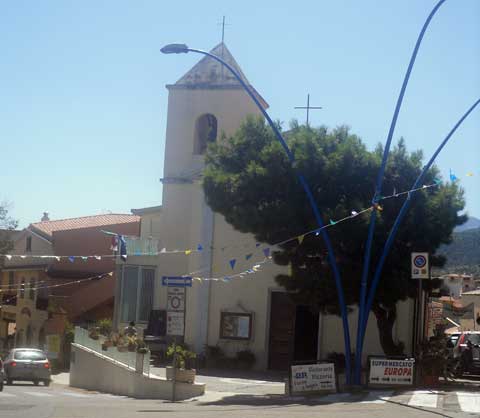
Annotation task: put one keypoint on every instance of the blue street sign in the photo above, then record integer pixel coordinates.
(176, 281)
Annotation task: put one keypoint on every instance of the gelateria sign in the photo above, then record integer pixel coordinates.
(313, 378)
(389, 372)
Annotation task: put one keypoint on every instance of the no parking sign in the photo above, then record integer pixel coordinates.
(420, 268)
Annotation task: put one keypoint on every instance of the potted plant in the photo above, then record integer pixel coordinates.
(433, 359)
(94, 333)
(182, 368)
(104, 327)
(122, 343)
(132, 343)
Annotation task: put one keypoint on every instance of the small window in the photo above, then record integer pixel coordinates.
(28, 247)
(29, 355)
(236, 326)
(205, 132)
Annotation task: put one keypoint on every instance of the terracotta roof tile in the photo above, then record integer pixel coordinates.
(48, 227)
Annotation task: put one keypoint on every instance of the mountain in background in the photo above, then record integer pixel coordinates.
(463, 253)
(472, 223)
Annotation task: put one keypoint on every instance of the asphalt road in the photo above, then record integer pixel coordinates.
(59, 401)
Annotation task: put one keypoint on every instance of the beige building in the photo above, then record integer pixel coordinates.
(249, 312)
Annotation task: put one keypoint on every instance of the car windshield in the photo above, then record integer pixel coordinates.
(29, 355)
(474, 338)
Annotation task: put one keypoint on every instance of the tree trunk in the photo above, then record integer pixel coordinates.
(386, 317)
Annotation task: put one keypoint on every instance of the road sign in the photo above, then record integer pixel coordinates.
(176, 299)
(420, 268)
(173, 281)
(175, 323)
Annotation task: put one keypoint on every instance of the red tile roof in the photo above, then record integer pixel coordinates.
(48, 227)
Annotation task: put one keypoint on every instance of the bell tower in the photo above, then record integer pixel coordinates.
(205, 103)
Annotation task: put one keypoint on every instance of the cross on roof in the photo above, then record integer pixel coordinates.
(308, 107)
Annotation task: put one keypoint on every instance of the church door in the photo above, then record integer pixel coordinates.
(293, 332)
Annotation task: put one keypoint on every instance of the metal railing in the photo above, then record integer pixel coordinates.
(142, 246)
(126, 358)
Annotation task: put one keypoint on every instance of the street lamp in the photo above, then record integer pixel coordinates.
(181, 49)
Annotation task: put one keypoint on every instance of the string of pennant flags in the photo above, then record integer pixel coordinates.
(119, 242)
(7, 288)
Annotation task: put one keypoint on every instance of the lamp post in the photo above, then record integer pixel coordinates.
(364, 303)
(183, 49)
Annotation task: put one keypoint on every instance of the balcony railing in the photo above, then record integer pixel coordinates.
(142, 246)
(125, 358)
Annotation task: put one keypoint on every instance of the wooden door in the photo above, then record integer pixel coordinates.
(282, 331)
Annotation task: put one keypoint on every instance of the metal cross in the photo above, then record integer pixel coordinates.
(223, 28)
(308, 107)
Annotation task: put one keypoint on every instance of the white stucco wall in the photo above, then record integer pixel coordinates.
(92, 371)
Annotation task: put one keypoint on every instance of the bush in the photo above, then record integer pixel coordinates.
(105, 326)
(246, 358)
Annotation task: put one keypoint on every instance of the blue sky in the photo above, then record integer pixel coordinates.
(83, 100)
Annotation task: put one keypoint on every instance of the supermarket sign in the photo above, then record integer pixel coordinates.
(391, 372)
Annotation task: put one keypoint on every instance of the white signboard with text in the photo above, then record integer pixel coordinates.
(391, 372)
(175, 323)
(313, 378)
(176, 299)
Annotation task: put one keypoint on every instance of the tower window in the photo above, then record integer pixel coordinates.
(28, 247)
(205, 132)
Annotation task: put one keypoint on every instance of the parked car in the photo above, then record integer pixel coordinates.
(27, 364)
(465, 348)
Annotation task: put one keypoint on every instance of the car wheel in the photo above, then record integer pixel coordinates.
(9, 381)
(35, 382)
(46, 382)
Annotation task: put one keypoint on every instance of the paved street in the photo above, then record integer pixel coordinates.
(60, 401)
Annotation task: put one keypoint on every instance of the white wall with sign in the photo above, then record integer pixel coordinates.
(313, 378)
(391, 372)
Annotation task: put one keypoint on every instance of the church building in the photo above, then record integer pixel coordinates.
(192, 284)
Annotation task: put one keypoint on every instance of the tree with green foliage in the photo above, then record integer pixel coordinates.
(7, 226)
(250, 181)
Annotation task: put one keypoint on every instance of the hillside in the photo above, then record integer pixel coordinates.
(463, 254)
(472, 223)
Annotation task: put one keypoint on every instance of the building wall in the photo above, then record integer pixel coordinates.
(471, 324)
(89, 241)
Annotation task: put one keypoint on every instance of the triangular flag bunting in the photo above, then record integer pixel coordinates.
(71, 259)
(437, 181)
(9, 257)
(199, 248)
(301, 238)
(248, 256)
(453, 177)
(232, 263)
(354, 213)
(332, 222)
(266, 251)
(257, 244)
(187, 252)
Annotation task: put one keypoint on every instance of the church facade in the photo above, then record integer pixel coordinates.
(247, 312)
